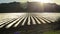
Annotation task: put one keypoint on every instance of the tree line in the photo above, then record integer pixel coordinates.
(28, 7)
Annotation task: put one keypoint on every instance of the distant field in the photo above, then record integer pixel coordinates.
(15, 15)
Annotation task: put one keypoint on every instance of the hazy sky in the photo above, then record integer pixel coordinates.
(6, 1)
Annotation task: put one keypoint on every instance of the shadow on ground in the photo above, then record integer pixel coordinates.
(32, 29)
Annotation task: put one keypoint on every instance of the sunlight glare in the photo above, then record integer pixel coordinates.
(42, 1)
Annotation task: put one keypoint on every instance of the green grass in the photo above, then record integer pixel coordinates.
(52, 32)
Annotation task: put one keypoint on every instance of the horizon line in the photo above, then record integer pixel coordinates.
(25, 2)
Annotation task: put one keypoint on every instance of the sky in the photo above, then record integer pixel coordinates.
(7, 1)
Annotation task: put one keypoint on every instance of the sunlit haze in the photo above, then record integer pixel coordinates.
(42, 1)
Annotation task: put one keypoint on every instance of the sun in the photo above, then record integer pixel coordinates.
(42, 1)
